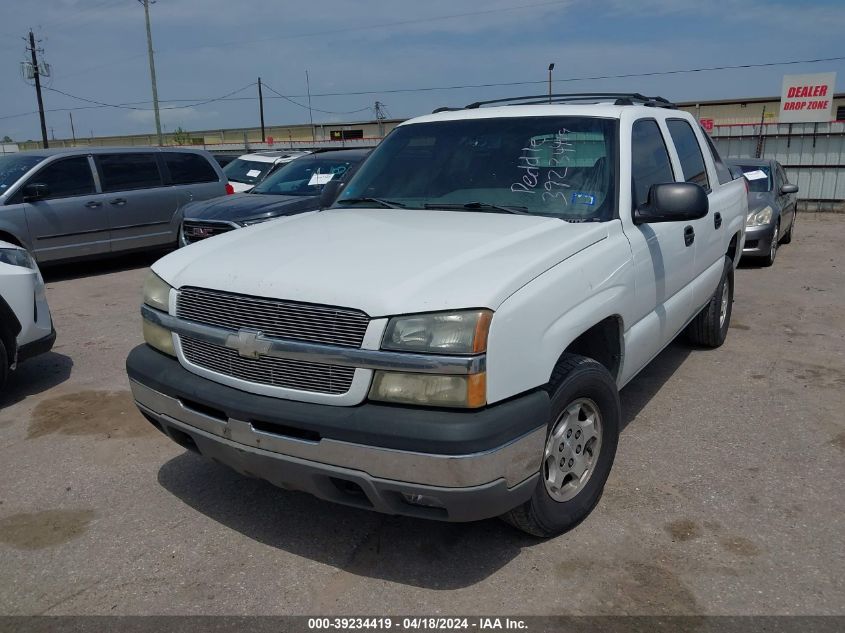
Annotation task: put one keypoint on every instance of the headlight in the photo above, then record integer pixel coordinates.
(431, 390)
(759, 218)
(159, 338)
(463, 332)
(256, 221)
(17, 257)
(157, 293)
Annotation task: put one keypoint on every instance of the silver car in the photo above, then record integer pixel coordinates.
(772, 207)
(76, 203)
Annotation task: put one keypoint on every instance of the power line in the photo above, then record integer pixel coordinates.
(228, 97)
(286, 98)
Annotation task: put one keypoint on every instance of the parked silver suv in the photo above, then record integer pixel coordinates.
(81, 202)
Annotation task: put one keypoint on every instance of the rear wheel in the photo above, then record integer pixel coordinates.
(710, 327)
(580, 446)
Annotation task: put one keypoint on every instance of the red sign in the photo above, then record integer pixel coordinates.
(270, 140)
(707, 124)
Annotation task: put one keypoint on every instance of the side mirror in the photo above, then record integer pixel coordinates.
(329, 193)
(673, 202)
(35, 191)
(787, 188)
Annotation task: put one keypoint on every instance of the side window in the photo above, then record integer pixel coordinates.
(650, 164)
(66, 178)
(121, 172)
(722, 170)
(689, 151)
(186, 169)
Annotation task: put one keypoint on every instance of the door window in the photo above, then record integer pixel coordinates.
(121, 172)
(186, 169)
(689, 152)
(650, 164)
(66, 178)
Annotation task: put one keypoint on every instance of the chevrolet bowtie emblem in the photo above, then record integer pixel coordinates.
(247, 343)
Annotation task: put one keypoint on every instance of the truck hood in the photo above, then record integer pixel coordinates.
(248, 206)
(382, 261)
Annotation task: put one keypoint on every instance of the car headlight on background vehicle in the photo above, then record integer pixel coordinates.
(459, 333)
(761, 217)
(463, 332)
(157, 295)
(256, 221)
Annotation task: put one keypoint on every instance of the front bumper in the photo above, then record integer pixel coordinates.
(758, 240)
(447, 465)
(36, 348)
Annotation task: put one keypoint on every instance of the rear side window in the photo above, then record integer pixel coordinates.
(186, 169)
(66, 178)
(650, 164)
(121, 172)
(689, 151)
(722, 170)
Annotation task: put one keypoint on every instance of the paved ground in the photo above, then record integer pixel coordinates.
(726, 496)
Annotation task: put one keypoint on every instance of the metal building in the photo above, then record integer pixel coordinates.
(811, 153)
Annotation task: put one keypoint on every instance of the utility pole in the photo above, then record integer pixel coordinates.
(759, 151)
(310, 115)
(551, 68)
(72, 131)
(261, 111)
(146, 4)
(37, 75)
(380, 117)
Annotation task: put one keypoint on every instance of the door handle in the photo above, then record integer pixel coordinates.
(689, 235)
(93, 204)
(118, 202)
(717, 219)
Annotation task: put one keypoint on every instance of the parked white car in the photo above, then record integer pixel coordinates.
(26, 327)
(448, 340)
(248, 170)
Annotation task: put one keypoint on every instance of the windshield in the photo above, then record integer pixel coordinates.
(759, 177)
(13, 166)
(306, 176)
(248, 172)
(552, 166)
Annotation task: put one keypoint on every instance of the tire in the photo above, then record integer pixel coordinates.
(769, 259)
(787, 238)
(4, 364)
(577, 384)
(710, 327)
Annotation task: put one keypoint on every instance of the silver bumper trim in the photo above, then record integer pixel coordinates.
(320, 353)
(515, 462)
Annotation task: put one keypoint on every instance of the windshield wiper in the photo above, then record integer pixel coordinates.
(387, 204)
(473, 206)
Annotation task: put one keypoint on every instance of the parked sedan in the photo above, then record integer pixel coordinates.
(294, 188)
(248, 170)
(26, 328)
(772, 206)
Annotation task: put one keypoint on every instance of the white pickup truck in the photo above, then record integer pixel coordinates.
(448, 340)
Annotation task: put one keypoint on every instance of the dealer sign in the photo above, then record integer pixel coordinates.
(807, 98)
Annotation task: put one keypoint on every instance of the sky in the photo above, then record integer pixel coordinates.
(210, 48)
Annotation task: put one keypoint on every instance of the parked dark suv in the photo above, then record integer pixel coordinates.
(72, 203)
(294, 188)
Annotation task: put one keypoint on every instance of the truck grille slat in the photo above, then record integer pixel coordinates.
(274, 318)
(277, 372)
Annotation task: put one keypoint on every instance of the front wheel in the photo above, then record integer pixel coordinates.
(4, 365)
(583, 432)
(710, 327)
(769, 259)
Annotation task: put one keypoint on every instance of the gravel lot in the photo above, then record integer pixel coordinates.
(726, 496)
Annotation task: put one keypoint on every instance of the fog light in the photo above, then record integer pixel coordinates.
(422, 500)
(158, 337)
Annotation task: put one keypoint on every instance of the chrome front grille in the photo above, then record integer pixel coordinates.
(194, 231)
(274, 318)
(266, 370)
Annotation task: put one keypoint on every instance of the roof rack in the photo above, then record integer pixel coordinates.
(618, 98)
